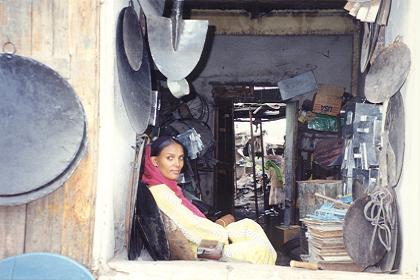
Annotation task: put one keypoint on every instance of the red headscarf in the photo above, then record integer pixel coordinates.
(152, 177)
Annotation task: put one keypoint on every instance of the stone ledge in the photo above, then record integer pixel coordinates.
(120, 269)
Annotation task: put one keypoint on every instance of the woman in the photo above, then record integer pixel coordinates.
(244, 240)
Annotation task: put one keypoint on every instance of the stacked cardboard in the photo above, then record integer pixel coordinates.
(325, 241)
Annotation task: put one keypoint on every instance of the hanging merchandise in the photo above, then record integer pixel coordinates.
(191, 141)
(371, 230)
(152, 7)
(43, 130)
(395, 127)
(360, 240)
(135, 86)
(176, 44)
(177, 127)
(132, 38)
(388, 72)
(196, 108)
(362, 131)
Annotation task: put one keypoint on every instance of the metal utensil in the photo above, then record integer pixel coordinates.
(388, 72)
(152, 7)
(395, 125)
(135, 86)
(357, 232)
(43, 130)
(176, 44)
(133, 38)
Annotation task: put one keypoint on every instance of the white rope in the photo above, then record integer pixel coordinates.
(379, 212)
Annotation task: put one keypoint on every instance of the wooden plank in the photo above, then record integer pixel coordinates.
(12, 230)
(42, 27)
(61, 29)
(79, 191)
(44, 223)
(50, 35)
(15, 22)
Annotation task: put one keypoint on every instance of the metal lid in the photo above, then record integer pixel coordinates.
(43, 130)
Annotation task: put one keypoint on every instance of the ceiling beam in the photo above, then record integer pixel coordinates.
(264, 5)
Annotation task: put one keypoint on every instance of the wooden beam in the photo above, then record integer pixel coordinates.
(335, 22)
(261, 5)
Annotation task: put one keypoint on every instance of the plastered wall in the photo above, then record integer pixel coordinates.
(402, 22)
(116, 139)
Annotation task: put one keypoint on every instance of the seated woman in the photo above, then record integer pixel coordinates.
(244, 240)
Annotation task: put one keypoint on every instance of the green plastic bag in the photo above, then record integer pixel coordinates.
(323, 123)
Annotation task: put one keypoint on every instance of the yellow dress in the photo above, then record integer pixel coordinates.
(248, 242)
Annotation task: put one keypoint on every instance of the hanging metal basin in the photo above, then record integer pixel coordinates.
(135, 86)
(388, 73)
(132, 38)
(357, 234)
(43, 130)
(395, 125)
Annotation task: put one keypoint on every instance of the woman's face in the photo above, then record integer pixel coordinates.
(170, 161)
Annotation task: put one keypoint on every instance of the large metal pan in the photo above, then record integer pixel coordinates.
(388, 72)
(370, 39)
(43, 130)
(132, 38)
(135, 86)
(395, 126)
(176, 44)
(357, 233)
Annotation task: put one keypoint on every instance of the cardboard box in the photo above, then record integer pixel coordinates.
(328, 100)
(282, 234)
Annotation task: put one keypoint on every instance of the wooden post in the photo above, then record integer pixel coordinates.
(290, 162)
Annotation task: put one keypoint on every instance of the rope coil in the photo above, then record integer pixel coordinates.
(380, 213)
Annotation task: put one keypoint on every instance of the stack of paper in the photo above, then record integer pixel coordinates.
(325, 241)
(369, 10)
